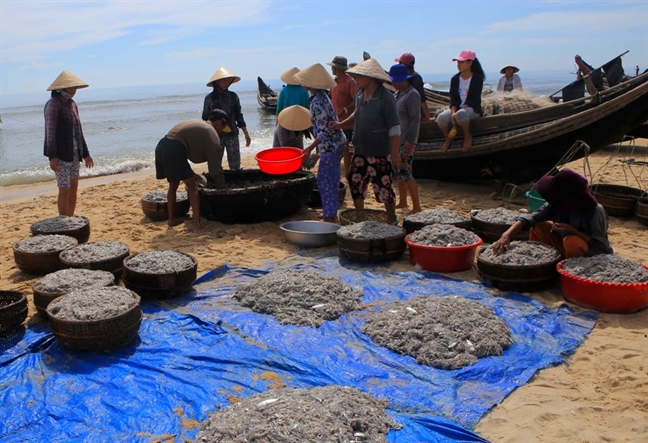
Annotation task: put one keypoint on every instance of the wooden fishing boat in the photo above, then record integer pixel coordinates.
(266, 97)
(521, 147)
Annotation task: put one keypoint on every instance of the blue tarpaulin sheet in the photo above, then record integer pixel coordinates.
(198, 353)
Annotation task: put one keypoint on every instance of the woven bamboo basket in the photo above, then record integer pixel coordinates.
(40, 263)
(160, 210)
(13, 310)
(618, 201)
(528, 278)
(315, 200)
(351, 216)
(641, 210)
(82, 234)
(168, 285)
(42, 299)
(96, 335)
(112, 264)
(372, 251)
(491, 232)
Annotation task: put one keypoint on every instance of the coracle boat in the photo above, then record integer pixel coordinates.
(522, 146)
(266, 97)
(253, 196)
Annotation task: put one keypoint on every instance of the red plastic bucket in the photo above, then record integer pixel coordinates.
(284, 160)
(616, 298)
(443, 258)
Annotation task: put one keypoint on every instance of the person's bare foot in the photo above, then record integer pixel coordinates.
(174, 222)
(446, 145)
(199, 229)
(331, 219)
(401, 206)
(467, 142)
(415, 211)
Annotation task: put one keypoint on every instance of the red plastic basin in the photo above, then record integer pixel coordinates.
(284, 160)
(443, 258)
(616, 298)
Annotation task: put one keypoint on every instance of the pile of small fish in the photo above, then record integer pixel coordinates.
(322, 414)
(521, 253)
(443, 235)
(68, 280)
(498, 216)
(159, 262)
(59, 223)
(299, 297)
(94, 304)
(444, 332)
(606, 268)
(436, 216)
(94, 252)
(370, 230)
(45, 243)
(161, 196)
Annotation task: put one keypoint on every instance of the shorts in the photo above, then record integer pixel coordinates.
(462, 117)
(374, 170)
(171, 161)
(67, 171)
(404, 170)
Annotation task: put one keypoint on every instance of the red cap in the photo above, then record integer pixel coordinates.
(406, 59)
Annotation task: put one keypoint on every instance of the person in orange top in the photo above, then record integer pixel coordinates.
(342, 97)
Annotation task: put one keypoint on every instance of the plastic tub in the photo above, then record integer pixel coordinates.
(443, 258)
(535, 200)
(616, 298)
(283, 160)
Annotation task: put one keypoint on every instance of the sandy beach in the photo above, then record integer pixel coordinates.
(599, 394)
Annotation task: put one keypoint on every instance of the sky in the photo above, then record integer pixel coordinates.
(133, 43)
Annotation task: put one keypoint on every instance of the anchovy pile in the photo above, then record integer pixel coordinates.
(321, 414)
(443, 235)
(161, 196)
(59, 223)
(498, 216)
(299, 297)
(94, 304)
(45, 243)
(436, 216)
(94, 252)
(370, 230)
(606, 268)
(521, 253)
(447, 333)
(159, 262)
(68, 280)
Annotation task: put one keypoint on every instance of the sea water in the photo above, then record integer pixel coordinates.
(122, 126)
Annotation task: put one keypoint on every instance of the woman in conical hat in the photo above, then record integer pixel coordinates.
(293, 93)
(65, 145)
(376, 136)
(222, 98)
(510, 81)
(293, 124)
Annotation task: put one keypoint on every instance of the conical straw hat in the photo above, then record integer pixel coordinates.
(67, 80)
(295, 118)
(288, 77)
(315, 77)
(370, 68)
(223, 73)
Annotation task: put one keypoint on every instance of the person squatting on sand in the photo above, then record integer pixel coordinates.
(408, 104)
(328, 140)
(64, 142)
(376, 136)
(571, 220)
(228, 101)
(465, 99)
(196, 141)
(293, 124)
(342, 96)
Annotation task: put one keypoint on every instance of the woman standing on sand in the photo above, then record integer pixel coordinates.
(64, 142)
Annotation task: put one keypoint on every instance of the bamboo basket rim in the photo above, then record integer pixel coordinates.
(98, 321)
(193, 259)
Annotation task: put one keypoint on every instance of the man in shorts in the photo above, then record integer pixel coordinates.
(196, 141)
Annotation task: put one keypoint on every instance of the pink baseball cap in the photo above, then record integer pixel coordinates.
(466, 54)
(406, 59)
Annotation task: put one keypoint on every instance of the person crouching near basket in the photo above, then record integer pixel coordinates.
(196, 141)
(465, 99)
(293, 124)
(571, 220)
(330, 142)
(376, 136)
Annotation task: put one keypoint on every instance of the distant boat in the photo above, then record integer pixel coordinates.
(266, 97)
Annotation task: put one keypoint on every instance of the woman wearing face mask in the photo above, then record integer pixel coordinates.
(64, 142)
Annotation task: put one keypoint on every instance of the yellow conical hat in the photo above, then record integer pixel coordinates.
(370, 68)
(289, 76)
(67, 80)
(223, 73)
(315, 77)
(295, 118)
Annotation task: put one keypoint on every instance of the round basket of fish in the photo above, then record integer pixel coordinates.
(443, 248)
(437, 216)
(13, 310)
(490, 224)
(525, 267)
(98, 319)
(371, 241)
(59, 283)
(39, 254)
(605, 282)
(77, 227)
(156, 207)
(99, 256)
(160, 274)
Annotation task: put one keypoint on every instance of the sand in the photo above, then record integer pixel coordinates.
(600, 394)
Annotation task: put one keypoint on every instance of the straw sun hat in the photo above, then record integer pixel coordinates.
(315, 77)
(288, 77)
(295, 118)
(370, 68)
(67, 80)
(515, 69)
(222, 73)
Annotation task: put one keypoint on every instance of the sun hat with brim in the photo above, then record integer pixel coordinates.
(340, 63)
(288, 77)
(399, 73)
(567, 191)
(466, 54)
(67, 80)
(222, 73)
(295, 118)
(503, 70)
(370, 68)
(315, 77)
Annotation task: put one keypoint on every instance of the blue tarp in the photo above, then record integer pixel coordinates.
(200, 352)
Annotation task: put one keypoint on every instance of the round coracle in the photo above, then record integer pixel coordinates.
(370, 230)
(606, 268)
(521, 253)
(13, 310)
